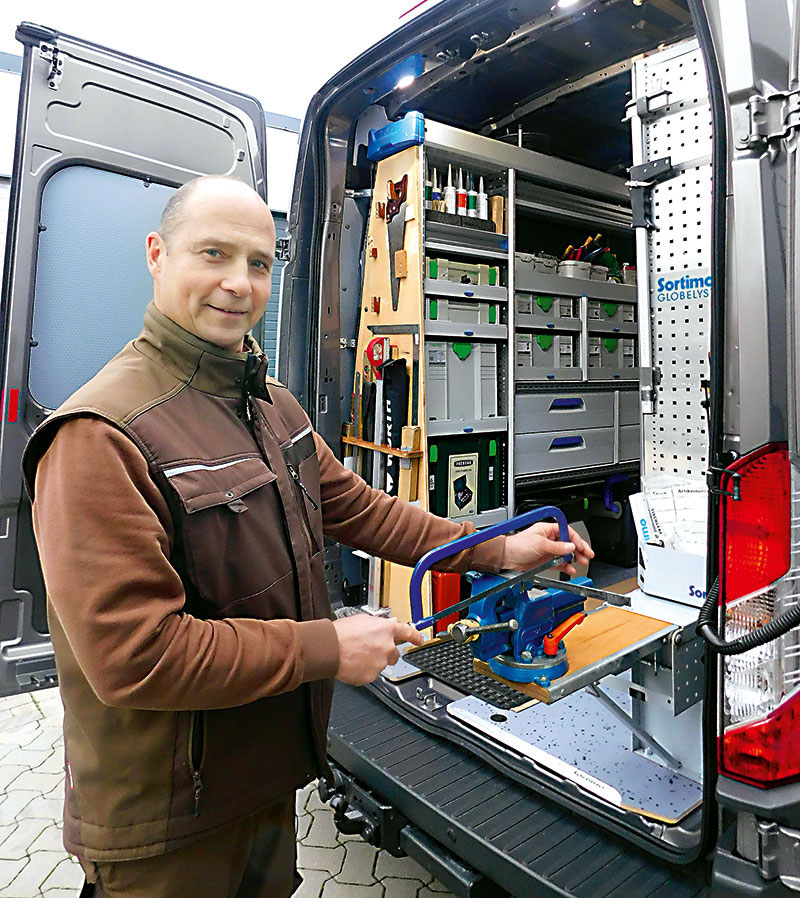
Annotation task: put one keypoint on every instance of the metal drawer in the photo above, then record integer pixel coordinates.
(536, 453)
(545, 412)
(630, 445)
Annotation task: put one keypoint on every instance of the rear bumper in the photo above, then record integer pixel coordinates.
(510, 834)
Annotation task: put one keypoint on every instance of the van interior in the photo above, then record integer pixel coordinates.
(523, 372)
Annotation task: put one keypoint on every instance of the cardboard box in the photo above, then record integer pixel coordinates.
(662, 571)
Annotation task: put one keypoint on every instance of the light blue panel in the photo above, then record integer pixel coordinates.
(92, 283)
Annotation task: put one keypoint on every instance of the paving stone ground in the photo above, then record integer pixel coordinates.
(33, 862)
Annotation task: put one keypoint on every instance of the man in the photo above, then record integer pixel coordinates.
(180, 502)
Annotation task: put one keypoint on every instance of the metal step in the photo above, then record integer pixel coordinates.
(523, 842)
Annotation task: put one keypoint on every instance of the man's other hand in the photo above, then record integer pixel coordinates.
(367, 644)
(539, 543)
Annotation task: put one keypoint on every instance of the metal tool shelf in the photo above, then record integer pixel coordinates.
(485, 518)
(455, 330)
(537, 323)
(558, 285)
(453, 428)
(624, 329)
(457, 249)
(614, 375)
(452, 290)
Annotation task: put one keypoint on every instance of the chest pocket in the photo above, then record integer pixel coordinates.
(300, 455)
(233, 534)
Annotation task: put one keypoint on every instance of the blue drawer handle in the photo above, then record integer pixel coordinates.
(566, 443)
(616, 330)
(473, 539)
(550, 324)
(567, 402)
(467, 429)
(551, 377)
(469, 293)
(468, 333)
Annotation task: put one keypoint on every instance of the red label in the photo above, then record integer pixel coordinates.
(13, 404)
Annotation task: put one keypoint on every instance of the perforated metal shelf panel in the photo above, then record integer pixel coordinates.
(679, 256)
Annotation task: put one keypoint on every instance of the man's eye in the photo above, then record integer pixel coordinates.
(261, 264)
(214, 253)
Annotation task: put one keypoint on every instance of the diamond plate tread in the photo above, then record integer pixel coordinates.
(452, 664)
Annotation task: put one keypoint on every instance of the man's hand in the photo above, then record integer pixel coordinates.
(367, 644)
(539, 543)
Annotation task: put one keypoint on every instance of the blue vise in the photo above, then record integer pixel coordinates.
(519, 636)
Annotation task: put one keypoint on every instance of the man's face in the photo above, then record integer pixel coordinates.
(212, 277)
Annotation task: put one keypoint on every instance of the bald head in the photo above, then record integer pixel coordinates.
(211, 259)
(177, 208)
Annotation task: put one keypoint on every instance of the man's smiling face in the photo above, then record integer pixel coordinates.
(211, 269)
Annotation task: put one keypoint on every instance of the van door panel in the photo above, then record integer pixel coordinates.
(103, 140)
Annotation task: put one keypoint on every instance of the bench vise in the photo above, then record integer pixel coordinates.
(518, 635)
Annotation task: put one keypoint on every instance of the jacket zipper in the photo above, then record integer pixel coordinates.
(299, 482)
(296, 477)
(196, 751)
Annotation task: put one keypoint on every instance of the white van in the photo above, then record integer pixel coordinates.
(612, 332)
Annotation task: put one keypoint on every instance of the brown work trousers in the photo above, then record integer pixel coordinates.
(252, 858)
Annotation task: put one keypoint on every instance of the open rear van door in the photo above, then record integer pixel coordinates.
(103, 139)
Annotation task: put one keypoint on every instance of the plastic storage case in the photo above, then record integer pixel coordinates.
(546, 356)
(461, 380)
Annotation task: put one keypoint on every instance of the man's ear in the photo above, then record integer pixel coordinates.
(155, 251)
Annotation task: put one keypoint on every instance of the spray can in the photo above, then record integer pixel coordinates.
(437, 204)
(450, 193)
(483, 202)
(461, 194)
(472, 197)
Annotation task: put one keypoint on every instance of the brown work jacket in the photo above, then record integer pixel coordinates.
(180, 499)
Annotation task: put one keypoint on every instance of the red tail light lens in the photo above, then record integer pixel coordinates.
(756, 530)
(765, 753)
(760, 741)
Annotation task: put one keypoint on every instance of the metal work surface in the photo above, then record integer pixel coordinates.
(453, 664)
(530, 845)
(582, 741)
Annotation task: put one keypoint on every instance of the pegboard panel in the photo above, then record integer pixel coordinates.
(678, 258)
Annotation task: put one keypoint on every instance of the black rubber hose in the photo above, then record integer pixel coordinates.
(777, 627)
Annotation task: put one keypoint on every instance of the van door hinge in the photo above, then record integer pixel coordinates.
(643, 178)
(774, 848)
(51, 54)
(771, 118)
(283, 248)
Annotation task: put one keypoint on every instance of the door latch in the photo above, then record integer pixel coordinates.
(283, 247)
(55, 73)
(643, 178)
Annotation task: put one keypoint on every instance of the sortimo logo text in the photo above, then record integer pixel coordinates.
(690, 286)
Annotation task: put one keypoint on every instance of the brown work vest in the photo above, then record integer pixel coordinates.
(233, 454)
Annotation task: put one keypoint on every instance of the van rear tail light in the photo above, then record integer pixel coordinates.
(760, 579)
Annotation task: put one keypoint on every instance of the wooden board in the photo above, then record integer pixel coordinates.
(376, 310)
(602, 634)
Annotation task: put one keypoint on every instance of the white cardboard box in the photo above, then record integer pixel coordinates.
(670, 574)
(665, 572)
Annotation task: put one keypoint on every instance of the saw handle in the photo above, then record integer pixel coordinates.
(473, 539)
(552, 640)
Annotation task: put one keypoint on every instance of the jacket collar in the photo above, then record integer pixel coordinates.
(200, 364)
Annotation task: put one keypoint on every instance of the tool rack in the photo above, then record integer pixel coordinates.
(526, 375)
